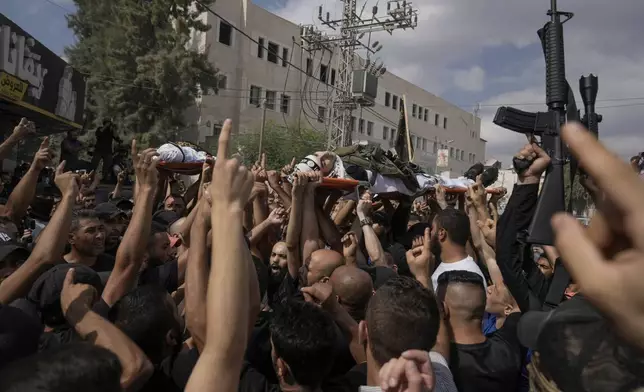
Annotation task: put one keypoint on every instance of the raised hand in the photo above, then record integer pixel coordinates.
(365, 206)
(607, 259)
(76, 298)
(273, 178)
(539, 162)
(259, 169)
(477, 193)
(231, 182)
(67, 182)
(321, 294)
(120, 178)
(288, 169)
(412, 372)
(300, 180)
(25, 129)
(349, 245)
(277, 216)
(145, 166)
(43, 156)
(419, 256)
(488, 226)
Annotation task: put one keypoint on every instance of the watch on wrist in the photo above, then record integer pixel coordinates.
(365, 222)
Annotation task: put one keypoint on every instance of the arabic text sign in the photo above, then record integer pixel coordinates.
(52, 87)
(12, 87)
(442, 159)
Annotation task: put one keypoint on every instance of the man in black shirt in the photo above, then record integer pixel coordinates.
(103, 148)
(479, 363)
(87, 241)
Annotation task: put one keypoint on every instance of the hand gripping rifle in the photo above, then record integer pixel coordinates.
(561, 106)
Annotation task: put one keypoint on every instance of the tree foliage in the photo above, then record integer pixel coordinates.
(140, 70)
(281, 144)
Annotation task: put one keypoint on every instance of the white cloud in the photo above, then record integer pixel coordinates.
(472, 79)
(455, 36)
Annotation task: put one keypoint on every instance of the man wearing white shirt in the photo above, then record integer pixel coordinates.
(450, 232)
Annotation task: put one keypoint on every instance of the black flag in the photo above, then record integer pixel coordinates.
(404, 147)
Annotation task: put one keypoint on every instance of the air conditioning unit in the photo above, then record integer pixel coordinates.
(364, 87)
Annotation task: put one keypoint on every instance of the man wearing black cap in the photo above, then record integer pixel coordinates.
(115, 222)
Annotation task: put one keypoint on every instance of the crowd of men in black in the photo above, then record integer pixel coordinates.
(247, 281)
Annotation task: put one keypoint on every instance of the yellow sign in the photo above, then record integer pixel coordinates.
(12, 87)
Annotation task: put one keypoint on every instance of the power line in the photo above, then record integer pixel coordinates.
(59, 6)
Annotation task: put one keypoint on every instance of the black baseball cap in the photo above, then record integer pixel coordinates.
(579, 349)
(165, 218)
(108, 211)
(45, 292)
(14, 250)
(19, 334)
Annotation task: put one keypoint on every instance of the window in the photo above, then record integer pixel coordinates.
(324, 73)
(225, 33)
(451, 152)
(418, 142)
(435, 148)
(424, 144)
(284, 57)
(361, 126)
(353, 124)
(426, 114)
(270, 100)
(436, 119)
(393, 133)
(285, 104)
(394, 103)
(273, 49)
(387, 99)
(255, 95)
(321, 114)
(413, 140)
(385, 133)
(473, 157)
(462, 155)
(458, 153)
(414, 108)
(445, 122)
(402, 104)
(369, 128)
(333, 77)
(309, 67)
(261, 42)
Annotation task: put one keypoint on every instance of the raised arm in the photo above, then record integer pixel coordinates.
(197, 276)
(76, 301)
(310, 229)
(20, 132)
(25, 191)
(51, 244)
(294, 258)
(371, 240)
(274, 181)
(275, 219)
(220, 362)
(129, 255)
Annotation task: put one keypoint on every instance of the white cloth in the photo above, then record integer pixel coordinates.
(384, 184)
(444, 380)
(467, 264)
(175, 154)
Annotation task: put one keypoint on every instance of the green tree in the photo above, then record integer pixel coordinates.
(140, 70)
(281, 144)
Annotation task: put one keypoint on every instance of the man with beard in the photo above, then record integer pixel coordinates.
(87, 241)
(115, 222)
(450, 233)
(278, 267)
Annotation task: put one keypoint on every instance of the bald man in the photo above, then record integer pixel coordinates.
(354, 288)
(321, 265)
(481, 363)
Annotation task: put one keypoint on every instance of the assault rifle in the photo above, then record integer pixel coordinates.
(561, 107)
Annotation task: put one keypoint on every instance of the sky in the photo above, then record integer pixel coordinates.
(474, 52)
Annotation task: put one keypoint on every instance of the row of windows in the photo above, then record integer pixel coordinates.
(270, 98)
(323, 73)
(420, 143)
(417, 111)
(272, 52)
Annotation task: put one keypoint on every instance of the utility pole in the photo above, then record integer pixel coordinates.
(261, 130)
(351, 29)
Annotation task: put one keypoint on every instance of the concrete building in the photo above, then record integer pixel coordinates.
(297, 84)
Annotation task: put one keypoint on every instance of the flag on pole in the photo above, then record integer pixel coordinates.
(404, 147)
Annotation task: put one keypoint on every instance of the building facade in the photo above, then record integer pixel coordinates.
(274, 67)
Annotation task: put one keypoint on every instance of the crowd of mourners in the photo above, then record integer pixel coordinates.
(259, 280)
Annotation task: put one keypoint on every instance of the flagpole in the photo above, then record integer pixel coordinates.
(408, 135)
